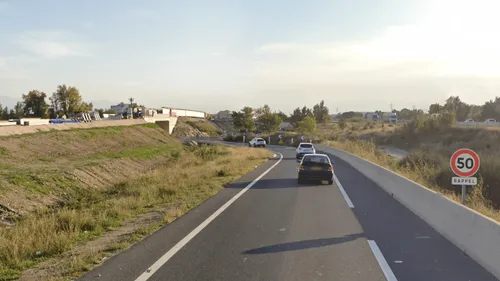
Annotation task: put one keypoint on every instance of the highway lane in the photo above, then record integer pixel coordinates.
(279, 230)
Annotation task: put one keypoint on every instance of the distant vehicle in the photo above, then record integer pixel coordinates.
(469, 121)
(305, 148)
(315, 167)
(257, 142)
(393, 118)
(490, 121)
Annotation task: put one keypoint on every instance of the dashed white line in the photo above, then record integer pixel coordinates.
(170, 253)
(347, 199)
(386, 269)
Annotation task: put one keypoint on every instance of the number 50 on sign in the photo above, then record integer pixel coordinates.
(464, 163)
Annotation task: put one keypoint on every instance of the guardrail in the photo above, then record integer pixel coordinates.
(477, 235)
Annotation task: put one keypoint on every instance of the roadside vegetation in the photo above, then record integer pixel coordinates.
(190, 127)
(69, 199)
(429, 139)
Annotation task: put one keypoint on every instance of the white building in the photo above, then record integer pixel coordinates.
(122, 107)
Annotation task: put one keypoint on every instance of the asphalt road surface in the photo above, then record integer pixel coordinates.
(279, 230)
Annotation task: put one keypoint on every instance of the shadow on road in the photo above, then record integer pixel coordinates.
(304, 244)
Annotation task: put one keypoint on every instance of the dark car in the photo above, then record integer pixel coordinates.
(315, 167)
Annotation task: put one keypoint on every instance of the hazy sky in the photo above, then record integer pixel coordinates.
(214, 55)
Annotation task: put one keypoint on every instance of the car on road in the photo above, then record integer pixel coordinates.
(257, 142)
(315, 167)
(305, 148)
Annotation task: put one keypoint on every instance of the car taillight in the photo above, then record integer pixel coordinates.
(330, 168)
(301, 167)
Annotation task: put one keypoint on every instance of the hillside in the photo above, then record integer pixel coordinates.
(191, 127)
(70, 198)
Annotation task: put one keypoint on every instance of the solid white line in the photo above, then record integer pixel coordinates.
(170, 253)
(347, 199)
(389, 275)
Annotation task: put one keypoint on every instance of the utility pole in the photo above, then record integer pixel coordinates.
(391, 107)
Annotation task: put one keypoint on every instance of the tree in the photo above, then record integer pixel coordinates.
(68, 101)
(435, 108)
(19, 110)
(5, 113)
(282, 115)
(263, 110)
(35, 105)
(269, 122)
(308, 124)
(243, 120)
(320, 112)
(491, 109)
(299, 114)
(455, 105)
(296, 117)
(351, 114)
(12, 114)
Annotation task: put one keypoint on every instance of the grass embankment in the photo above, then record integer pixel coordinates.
(428, 160)
(75, 197)
(189, 126)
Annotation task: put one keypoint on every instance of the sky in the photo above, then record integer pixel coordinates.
(214, 55)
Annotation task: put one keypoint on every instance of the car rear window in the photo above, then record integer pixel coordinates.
(260, 139)
(306, 145)
(315, 159)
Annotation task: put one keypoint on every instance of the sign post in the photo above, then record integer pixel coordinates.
(464, 163)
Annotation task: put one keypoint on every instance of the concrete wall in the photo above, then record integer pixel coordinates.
(475, 234)
(161, 120)
(19, 130)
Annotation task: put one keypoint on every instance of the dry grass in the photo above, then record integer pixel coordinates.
(49, 233)
(59, 189)
(432, 169)
(189, 126)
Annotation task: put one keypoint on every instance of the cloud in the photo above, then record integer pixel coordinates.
(54, 44)
(451, 40)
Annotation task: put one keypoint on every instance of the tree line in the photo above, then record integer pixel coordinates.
(65, 101)
(464, 111)
(263, 119)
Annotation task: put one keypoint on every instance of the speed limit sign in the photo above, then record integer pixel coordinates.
(464, 163)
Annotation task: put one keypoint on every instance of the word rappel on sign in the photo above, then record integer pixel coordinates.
(464, 180)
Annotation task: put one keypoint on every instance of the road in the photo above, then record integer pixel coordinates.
(279, 230)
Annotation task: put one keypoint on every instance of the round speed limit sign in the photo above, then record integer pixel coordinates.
(464, 162)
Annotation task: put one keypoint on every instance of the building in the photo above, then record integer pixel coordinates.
(224, 115)
(285, 126)
(122, 107)
(371, 116)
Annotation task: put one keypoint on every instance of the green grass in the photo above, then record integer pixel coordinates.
(3, 151)
(141, 153)
(89, 213)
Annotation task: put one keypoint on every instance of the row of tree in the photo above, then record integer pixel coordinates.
(463, 111)
(65, 101)
(263, 119)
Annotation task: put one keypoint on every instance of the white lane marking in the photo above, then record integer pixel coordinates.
(347, 199)
(170, 253)
(386, 269)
